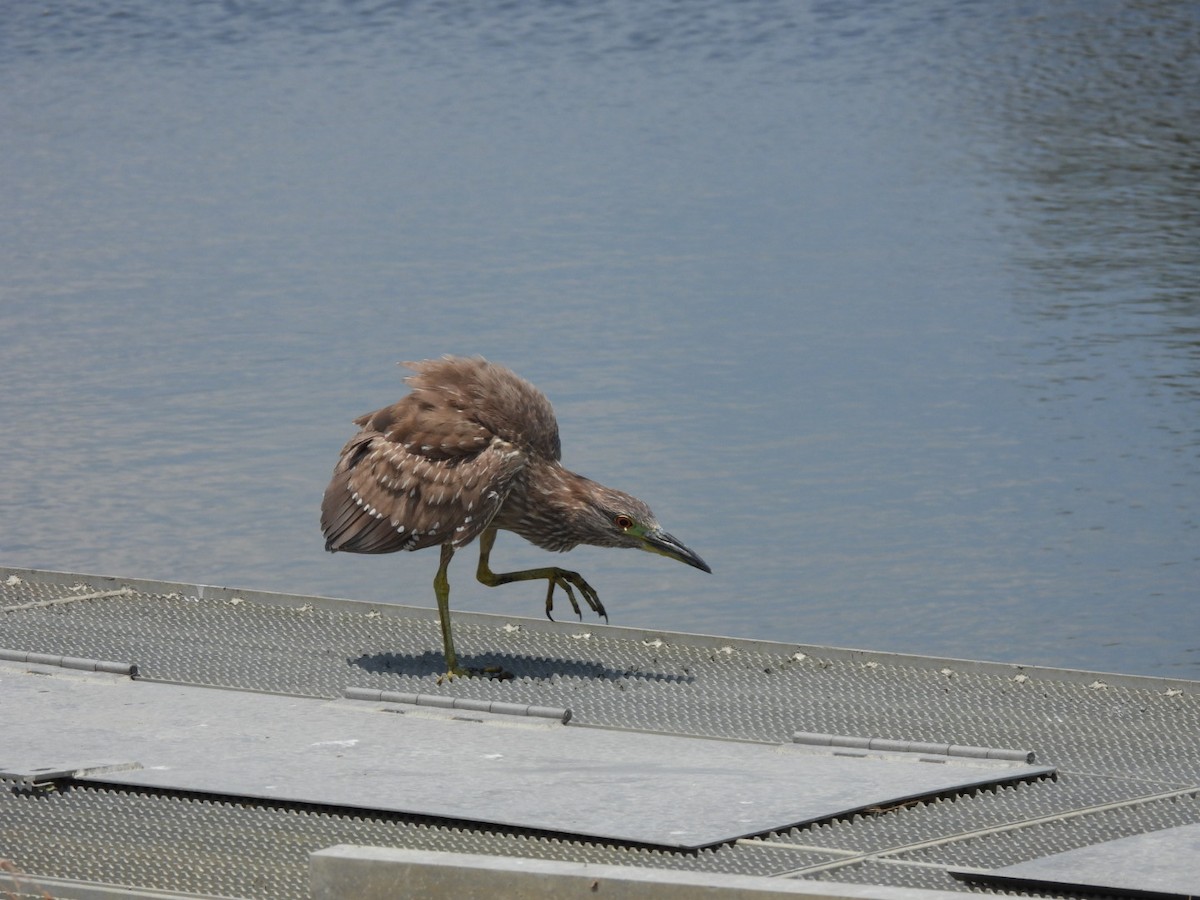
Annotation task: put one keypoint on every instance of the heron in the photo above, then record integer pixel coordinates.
(473, 449)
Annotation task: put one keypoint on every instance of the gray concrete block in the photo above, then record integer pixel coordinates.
(348, 872)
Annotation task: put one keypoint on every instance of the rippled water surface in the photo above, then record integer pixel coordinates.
(891, 311)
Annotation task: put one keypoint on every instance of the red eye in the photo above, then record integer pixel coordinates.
(623, 522)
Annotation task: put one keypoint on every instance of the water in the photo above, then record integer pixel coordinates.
(891, 311)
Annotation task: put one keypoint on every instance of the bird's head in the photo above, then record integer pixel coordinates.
(616, 519)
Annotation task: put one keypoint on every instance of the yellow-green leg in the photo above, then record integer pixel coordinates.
(555, 577)
(441, 587)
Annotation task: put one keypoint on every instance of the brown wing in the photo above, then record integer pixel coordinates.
(417, 475)
(483, 394)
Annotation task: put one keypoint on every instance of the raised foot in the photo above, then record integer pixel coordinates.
(569, 581)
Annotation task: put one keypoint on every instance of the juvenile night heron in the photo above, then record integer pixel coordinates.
(473, 449)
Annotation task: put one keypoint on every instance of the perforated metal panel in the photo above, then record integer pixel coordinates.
(1125, 747)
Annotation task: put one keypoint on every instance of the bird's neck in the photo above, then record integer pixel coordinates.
(549, 510)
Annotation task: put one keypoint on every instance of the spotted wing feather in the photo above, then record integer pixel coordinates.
(418, 474)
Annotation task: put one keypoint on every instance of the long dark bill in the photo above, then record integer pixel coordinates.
(663, 543)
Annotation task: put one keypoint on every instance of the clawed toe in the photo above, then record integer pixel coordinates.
(451, 674)
(492, 673)
(569, 582)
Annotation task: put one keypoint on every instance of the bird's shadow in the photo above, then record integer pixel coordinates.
(517, 666)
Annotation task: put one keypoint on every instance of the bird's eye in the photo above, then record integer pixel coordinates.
(623, 522)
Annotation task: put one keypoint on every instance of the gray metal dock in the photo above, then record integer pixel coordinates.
(161, 739)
